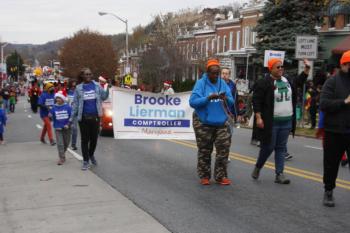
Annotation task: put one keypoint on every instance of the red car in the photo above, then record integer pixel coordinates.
(106, 120)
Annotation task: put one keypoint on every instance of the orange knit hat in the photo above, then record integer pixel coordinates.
(272, 62)
(212, 62)
(345, 58)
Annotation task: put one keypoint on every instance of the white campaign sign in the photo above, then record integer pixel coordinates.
(306, 47)
(144, 115)
(273, 54)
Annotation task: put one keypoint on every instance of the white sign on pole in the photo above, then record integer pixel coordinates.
(3, 68)
(306, 47)
(301, 67)
(145, 115)
(273, 54)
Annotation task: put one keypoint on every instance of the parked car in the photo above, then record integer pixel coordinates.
(107, 118)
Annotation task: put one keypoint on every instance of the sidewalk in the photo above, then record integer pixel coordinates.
(38, 196)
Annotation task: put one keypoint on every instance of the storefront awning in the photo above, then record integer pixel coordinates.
(342, 47)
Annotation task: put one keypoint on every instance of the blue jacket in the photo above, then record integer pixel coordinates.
(78, 101)
(46, 101)
(233, 89)
(3, 120)
(210, 112)
(61, 115)
(321, 120)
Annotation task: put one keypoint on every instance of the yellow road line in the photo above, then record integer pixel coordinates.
(289, 170)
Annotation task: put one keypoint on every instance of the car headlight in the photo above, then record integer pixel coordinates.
(109, 113)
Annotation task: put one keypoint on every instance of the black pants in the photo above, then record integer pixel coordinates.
(334, 147)
(34, 104)
(313, 113)
(89, 129)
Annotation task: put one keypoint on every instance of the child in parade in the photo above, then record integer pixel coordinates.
(61, 114)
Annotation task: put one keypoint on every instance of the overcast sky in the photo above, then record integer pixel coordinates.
(40, 21)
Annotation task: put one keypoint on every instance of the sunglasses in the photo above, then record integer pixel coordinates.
(87, 74)
(214, 73)
(279, 67)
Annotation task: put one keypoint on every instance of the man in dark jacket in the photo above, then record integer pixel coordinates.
(335, 103)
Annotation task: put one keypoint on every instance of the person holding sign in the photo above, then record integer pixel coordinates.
(87, 109)
(274, 103)
(335, 103)
(210, 98)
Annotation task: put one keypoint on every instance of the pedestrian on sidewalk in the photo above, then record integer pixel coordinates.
(274, 103)
(61, 114)
(210, 98)
(3, 120)
(46, 102)
(5, 98)
(74, 125)
(335, 103)
(87, 108)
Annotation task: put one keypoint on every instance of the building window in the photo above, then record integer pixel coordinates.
(202, 48)
(224, 44)
(207, 47)
(347, 20)
(231, 41)
(332, 20)
(246, 37)
(218, 45)
(254, 35)
(213, 46)
(193, 51)
(238, 40)
(188, 51)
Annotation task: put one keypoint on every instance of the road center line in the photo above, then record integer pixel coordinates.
(29, 116)
(289, 170)
(75, 154)
(39, 126)
(313, 147)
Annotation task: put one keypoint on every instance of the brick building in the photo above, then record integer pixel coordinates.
(231, 39)
(335, 31)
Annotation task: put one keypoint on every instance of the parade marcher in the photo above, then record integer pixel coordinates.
(74, 125)
(103, 82)
(5, 98)
(61, 114)
(274, 102)
(12, 99)
(33, 94)
(46, 101)
(225, 75)
(87, 109)
(167, 89)
(210, 98)
(335, 103)
(2, 125)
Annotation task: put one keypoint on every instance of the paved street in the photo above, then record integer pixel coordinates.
(160, 178)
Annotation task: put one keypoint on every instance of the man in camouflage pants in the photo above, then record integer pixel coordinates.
(207, 136)
(211, 97)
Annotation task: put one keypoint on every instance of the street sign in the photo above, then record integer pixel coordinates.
(3, 68)
(128, 80)
(273, 54)
(306, 47)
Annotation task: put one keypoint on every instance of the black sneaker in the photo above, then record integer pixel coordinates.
(281, 179)
(328, 199)
(74, 147)
(256, 173)
(52, 143)
(93, 161)
(288, 157)
(43, 141)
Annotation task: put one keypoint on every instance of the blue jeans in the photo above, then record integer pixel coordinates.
(279, 139)
(6, 106)
(74, 132)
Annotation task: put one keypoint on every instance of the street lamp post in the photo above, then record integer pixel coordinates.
(127, 34)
